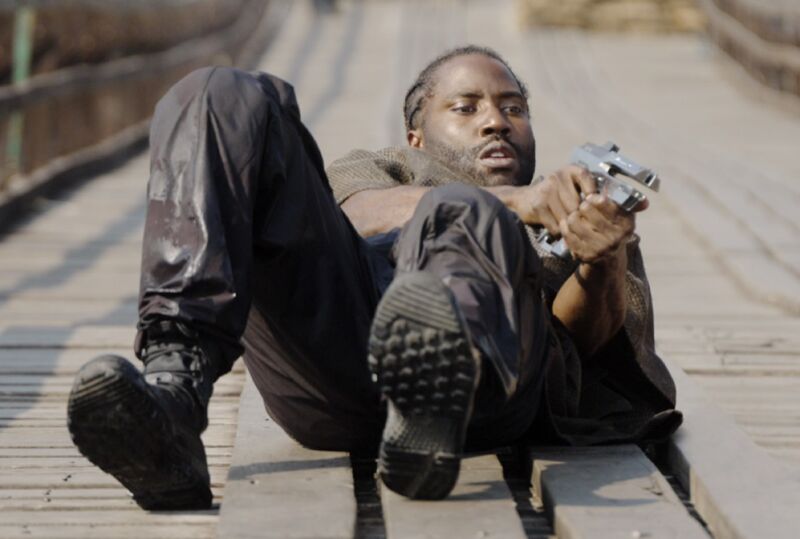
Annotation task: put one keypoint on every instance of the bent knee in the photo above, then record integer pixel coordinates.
(460, 192)
(461, 199)
(228, 91)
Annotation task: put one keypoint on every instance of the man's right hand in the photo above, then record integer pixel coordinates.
(550, 201)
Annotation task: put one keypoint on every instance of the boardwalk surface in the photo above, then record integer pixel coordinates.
(720, 242)
(68, 292)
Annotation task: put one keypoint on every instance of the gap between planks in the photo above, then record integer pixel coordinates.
(273, 481)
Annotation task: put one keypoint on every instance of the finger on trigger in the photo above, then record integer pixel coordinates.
(642, 205)
(586, 182)
(551, 225)
(589, 202)
(604, 204)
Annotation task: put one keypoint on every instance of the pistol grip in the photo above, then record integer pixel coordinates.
(556, 248)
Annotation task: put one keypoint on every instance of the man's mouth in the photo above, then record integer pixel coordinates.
(498, 156)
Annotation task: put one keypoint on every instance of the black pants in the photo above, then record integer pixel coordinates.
(245, 242)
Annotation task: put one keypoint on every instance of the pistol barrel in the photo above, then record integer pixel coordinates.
(606, 160)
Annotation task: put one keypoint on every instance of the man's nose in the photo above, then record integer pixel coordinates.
(495, 122)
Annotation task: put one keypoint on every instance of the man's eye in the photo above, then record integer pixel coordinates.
(465, 109)
(514, 109)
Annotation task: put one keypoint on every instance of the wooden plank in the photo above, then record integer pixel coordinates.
(609, 492)
(121, 530)
(737, 488)
(59, 494)
(21, 464)
(86, 336)
(72, 451)
(60, 419)
(480, 505)
(272, 480)
(222, 410)
(113, 517)
(59, 437)
(79, 477)
(114, 502)
(742, 371)
(61, 384)
(16, 310)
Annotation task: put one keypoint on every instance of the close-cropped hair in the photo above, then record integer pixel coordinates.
(422, 89)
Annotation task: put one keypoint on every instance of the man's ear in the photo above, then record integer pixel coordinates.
(414, 138)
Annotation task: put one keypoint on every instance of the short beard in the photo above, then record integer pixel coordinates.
(465, 161)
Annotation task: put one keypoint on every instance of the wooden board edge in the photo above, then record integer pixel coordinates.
(480, 505)
(608, 491)
(272, 475)
(737, 487)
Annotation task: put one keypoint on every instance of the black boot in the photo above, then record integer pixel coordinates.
(144, 428)
(420, 354)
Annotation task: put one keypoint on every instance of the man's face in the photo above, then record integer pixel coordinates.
(477, 120)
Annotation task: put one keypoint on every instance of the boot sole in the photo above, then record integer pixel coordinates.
(116, 423)
(422, 359)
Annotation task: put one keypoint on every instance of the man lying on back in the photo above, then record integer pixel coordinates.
(394, 302)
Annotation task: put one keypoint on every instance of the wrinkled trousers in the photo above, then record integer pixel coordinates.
(245, 243)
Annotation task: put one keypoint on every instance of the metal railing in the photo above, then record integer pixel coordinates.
(59, 116)
(776, 21)
(764, 37)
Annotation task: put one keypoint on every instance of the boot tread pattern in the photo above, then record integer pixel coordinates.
(422, 360)
(117, 424)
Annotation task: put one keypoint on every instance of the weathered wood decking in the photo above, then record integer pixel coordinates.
(67, 293)
(720, 244)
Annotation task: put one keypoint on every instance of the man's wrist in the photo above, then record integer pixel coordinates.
(515, 198)
(506, 194)
(600, 271)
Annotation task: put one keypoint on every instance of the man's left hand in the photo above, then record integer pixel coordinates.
(598, 229)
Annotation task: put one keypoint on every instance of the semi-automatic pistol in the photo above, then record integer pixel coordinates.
(605, 163)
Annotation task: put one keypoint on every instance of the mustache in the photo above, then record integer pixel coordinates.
(476, 151)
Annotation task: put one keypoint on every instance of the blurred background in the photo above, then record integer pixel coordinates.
(75, 73)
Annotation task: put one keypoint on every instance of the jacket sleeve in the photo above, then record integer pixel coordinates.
(361, 169)
(638, 330)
